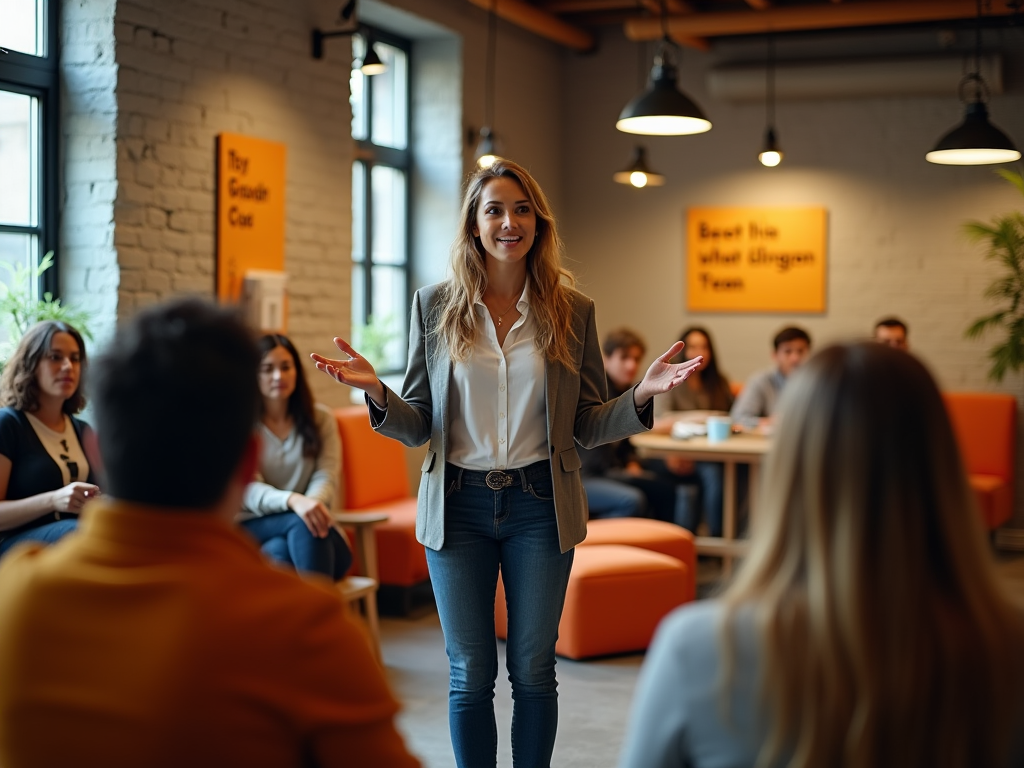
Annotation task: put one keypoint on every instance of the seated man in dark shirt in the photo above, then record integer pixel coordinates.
(616, 484)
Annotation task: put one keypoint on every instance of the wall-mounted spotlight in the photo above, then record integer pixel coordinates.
(371, 63)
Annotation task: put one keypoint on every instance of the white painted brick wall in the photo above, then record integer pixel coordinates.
(187, 71)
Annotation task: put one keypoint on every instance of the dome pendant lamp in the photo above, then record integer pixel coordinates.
(661, 109)
(975, 141)
(771, 155)
(487, 148)
(638, 174)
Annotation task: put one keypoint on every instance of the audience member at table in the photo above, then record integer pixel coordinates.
(287, 508)
(158, 635)
(866, 626)
(707, 389)
(760, 394)
(615, 482)
(45, 475)
(892, 332)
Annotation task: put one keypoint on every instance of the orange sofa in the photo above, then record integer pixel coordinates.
(985, 424)
(374, 479)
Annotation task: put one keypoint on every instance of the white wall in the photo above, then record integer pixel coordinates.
(895, 243)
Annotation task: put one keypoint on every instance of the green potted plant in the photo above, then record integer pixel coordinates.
(1004, 238)
(19, 311)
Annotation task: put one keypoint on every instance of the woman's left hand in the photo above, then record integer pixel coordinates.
(664, 375)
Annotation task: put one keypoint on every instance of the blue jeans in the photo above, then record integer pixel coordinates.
(284, 537)
(512, 528)
(610, 498)
(44, 534)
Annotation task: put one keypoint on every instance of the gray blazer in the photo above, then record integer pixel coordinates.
(576, 413)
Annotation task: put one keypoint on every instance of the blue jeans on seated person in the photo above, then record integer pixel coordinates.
(513, 529)
(43, 534)
(284, 537)
(611, 498)
(710, 479)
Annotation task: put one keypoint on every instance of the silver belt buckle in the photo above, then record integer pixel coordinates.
(496, 480)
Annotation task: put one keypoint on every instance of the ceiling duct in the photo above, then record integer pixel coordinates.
(842, 79)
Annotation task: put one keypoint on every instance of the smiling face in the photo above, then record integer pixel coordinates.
(277, 375)
(506, 222)
(60, 368)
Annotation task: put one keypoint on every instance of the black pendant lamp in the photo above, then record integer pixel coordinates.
(487, 147)
(975, 141)
(372, 64)
(771, 155)
(638, 174)
(661, 109)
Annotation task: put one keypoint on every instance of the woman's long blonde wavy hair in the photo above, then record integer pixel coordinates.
(886, 638)
(550, 301)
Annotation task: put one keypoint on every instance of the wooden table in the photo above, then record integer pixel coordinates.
(738, 449)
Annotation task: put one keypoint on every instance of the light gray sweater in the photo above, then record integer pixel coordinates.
(284, 470)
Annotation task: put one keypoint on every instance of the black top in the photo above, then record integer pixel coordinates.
(33, 470)
(601, 459)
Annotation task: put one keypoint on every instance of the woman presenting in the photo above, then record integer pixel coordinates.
(504, 377)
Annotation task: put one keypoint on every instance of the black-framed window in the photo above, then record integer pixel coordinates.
(29, 111)
(381, 269)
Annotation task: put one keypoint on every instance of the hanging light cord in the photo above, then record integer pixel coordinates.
(770, 81)
(492, 44)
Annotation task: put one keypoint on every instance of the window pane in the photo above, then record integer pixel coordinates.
(389, 312)
(21, 26)
(390, 97)
(358, 297)
(388, 190)
(18, 251)
(358, 212)
(357, 92)
(19, 158)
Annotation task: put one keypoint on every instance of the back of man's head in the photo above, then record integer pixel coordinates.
(622, 338)
(175, 399)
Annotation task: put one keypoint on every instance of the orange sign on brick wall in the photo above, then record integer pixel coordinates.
(756, 259)
(250, 210)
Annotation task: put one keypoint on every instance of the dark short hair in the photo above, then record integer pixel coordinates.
(19, 387)
(892, 322)
(792, 333)
(301, 405)
(175, 398)
(622, 338)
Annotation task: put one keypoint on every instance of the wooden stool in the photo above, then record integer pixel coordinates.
(615, 599)
(653, 535)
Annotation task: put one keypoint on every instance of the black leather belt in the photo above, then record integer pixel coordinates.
(499, 479)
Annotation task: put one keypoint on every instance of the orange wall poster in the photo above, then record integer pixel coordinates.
(250, 210)
(756, 259)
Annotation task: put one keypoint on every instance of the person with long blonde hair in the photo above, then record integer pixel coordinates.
(505, 376)
(867, 626)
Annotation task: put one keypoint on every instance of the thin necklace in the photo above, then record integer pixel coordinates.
(514, 302)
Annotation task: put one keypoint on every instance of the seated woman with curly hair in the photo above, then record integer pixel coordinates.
(45, 476)
(288, 508)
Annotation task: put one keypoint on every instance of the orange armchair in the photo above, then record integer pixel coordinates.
(374, 479)
(985, 425)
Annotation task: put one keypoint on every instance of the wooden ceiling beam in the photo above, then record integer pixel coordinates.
(540, 23)
(809, 17)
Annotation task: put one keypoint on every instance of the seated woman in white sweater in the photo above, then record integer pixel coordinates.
(287, 508)
(866, 627)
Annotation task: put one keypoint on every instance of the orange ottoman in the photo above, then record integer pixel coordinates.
(654, 535)
(616, 597)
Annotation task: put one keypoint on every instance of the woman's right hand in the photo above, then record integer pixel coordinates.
(313, 513)
(72, 497)
(356, 371)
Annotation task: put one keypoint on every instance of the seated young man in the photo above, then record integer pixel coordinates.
(791, 347)
(157, 635)
(615, 483)
(892, 332)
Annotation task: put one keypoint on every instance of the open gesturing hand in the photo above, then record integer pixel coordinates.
(356, 371)
(664, 375)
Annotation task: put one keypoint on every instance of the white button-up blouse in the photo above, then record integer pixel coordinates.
(496, 400)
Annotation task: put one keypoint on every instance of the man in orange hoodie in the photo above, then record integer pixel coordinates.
(157, 635)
